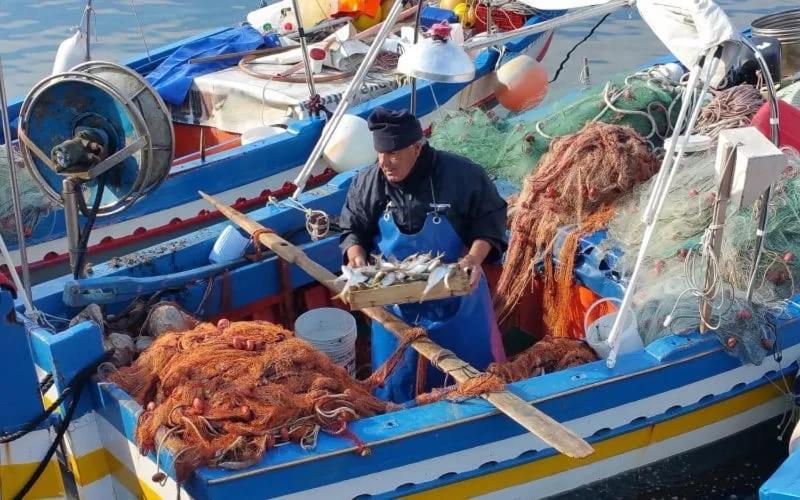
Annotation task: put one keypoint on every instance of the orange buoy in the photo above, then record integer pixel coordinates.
(522, 84)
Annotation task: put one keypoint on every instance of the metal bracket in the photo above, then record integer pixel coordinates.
(117, 157)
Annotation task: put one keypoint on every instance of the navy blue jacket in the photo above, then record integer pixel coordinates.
(477, 211)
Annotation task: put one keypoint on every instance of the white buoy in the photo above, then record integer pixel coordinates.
(350, 146)
(71, 52)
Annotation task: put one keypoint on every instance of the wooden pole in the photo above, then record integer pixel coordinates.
(525, 414)
(725, 154)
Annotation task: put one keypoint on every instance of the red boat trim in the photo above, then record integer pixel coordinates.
(204, 216)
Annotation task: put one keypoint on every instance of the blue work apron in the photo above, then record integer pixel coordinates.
(466, 325)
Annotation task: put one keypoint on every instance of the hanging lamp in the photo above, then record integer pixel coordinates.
(437, 58)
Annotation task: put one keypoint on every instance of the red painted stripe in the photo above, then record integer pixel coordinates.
(205, 216)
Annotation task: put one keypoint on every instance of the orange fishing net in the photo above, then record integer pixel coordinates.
(222, 395)
(551, 354)
(576, 184)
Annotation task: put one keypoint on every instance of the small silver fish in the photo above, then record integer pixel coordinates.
(435, 277)
(389, 279)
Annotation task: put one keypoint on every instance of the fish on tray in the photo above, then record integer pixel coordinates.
(387, 272)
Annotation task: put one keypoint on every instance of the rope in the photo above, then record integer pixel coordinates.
(141, 30)
(730, 108)
(566, 58)
(75, 387)
(257, 245)
(318, 224)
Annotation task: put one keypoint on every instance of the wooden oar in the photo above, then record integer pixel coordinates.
(547, 429)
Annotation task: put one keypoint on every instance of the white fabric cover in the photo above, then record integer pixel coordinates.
(689, 28)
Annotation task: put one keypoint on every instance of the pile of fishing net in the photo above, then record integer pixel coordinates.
(221, 395)
(510, 149)
(576, 186)
(35, 205)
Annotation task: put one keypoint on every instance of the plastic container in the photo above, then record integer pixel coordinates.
(316, 57)
(629, 339)
(434, 15)
(230, 245)
(788, 120)
(332, 331)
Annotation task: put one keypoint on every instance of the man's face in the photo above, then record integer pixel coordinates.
(398, 164)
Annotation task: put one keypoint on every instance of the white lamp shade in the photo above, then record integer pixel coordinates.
(437, 61)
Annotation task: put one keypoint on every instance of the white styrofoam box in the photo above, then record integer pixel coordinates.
(758, 163)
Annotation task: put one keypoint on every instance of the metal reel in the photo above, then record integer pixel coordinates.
(99, 119)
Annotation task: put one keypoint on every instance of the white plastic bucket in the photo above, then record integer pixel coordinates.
(597, 333)
(332, 331)
(230, 245)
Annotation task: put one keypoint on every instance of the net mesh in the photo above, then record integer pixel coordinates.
(673, 284)
(222, 395)
(510, 149)
(35, 205)
(576, 185)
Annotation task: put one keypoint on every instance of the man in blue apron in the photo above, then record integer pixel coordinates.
(418, 199)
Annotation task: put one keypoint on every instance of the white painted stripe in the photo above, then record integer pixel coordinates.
(121, 492)
(128, 454)
(83, 437)
(102, 489)
(28, 449)
(582, 476)
(507, 449)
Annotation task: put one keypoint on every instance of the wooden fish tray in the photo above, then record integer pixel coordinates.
(405, 293)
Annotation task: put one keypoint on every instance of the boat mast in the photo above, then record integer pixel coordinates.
(304, 48)
(87, 14)
(347, 97)
(15, 197)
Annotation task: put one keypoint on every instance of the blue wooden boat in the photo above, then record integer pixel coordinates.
(678, 394)
(675, 395)
(248, 174)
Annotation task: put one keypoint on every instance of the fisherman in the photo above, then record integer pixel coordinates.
(419, 199)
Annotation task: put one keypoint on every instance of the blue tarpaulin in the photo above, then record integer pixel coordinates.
(173, 77)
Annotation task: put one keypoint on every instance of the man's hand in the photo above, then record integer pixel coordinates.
(471, 263)
(356, 256)
(472, 266)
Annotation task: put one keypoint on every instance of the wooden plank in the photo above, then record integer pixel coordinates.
(405, 293)
(540, 424)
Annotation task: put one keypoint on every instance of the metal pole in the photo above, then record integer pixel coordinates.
(12, 168)
(417, 22)
(70, 190)
(763, 205)
(88, 13)
(304, 49)
(355, 84)
(568, 18)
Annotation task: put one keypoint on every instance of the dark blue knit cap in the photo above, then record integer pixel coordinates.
(393, 130)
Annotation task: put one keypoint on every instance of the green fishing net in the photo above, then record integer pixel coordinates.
(510, 148)
(668, 297)
(791, 94)
(34, 203)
